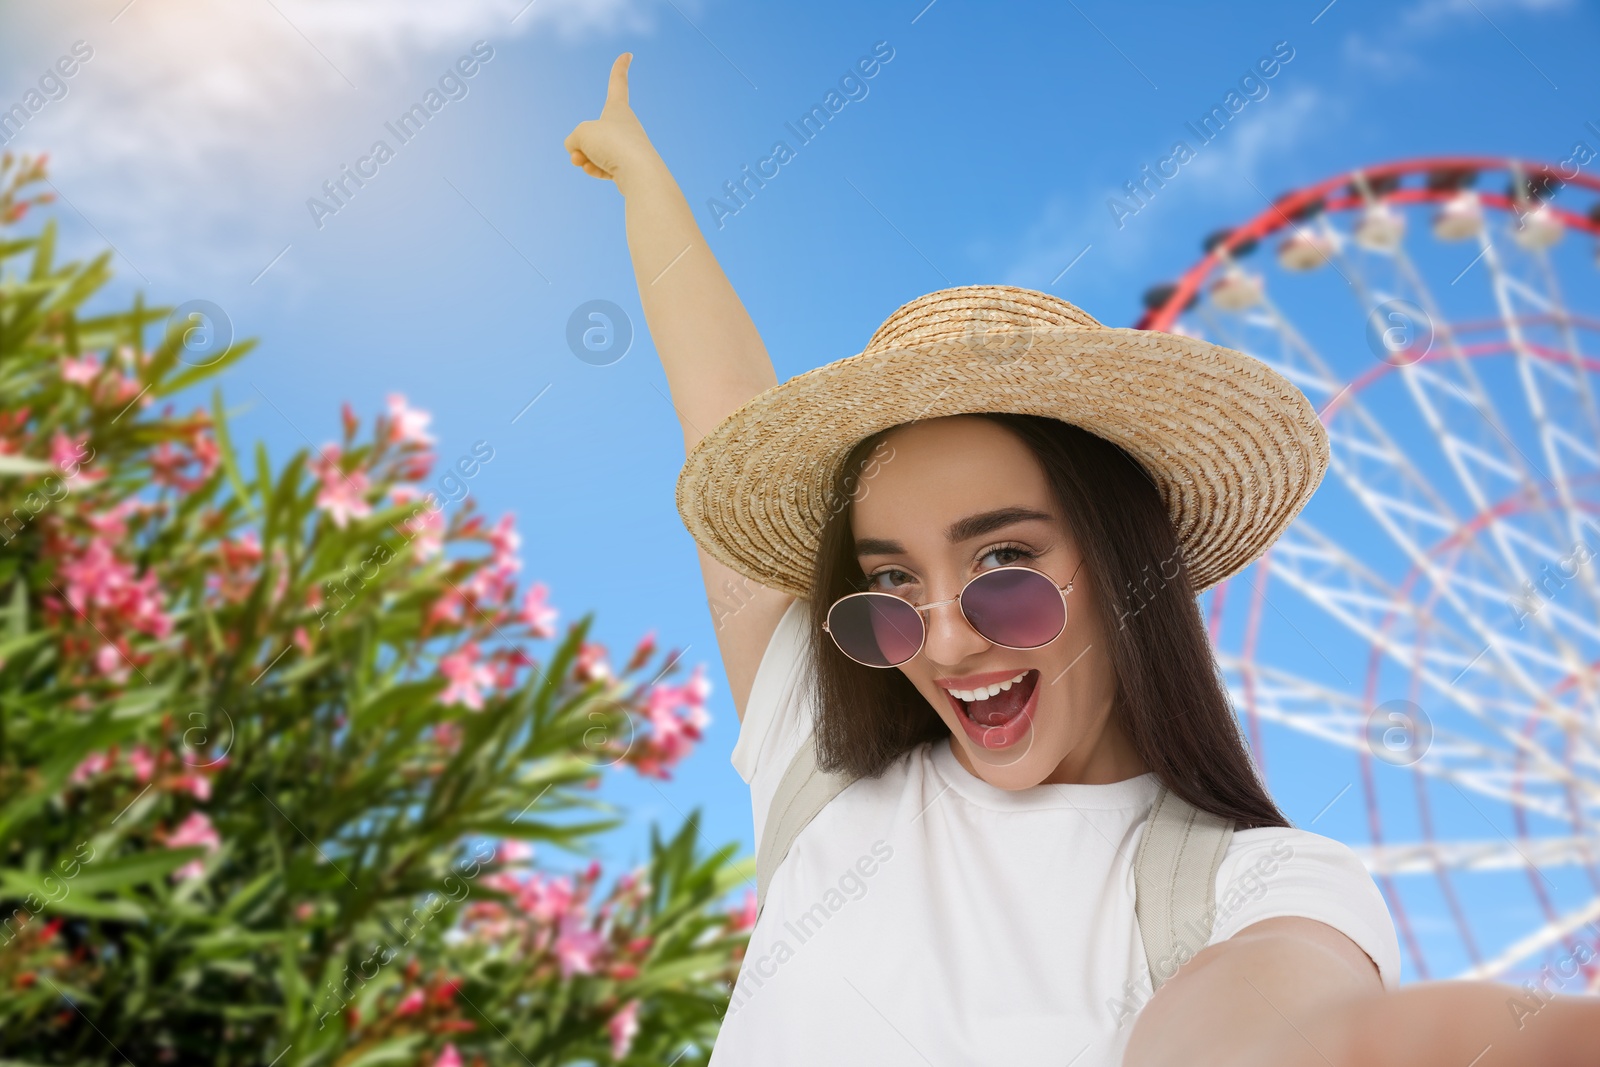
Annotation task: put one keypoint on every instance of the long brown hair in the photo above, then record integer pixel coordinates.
(1170, 696)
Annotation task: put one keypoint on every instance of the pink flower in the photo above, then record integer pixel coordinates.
(505, 541)
(141, 607)
(143, 764)
(73, 454)
(492, 583)
(167, 463)
(444, 993)
(591, 662)
(343, 496)
(623, 1026)
(548, 900)
(97, 578)
(648, 762)
(241, 552)
(659, 706)
(467, 677)
(407, 423)
(448, 608)
(415, 468)
(539, 615)
(634, 885)
(80, 371)
(197, 784)
(109, 662)
(512, 852)
(505, 664)
(207, 453)
(449, 1057)
(410, 1004)
(123, 389)
(447, 735)
(236, 577)
(576, 947)
(642, 651)
(504, 882)
(424, 527)
(697, 689)
(195, 830)
(110, 522)
(744, 917)
(92, 764)
(673, 734)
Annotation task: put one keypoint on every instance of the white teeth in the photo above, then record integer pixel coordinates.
(970, 695)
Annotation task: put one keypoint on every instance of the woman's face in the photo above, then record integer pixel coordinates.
(960, 495)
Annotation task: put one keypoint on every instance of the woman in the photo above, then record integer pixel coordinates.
(968, 897)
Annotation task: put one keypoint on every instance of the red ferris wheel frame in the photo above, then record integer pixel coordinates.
(1448, 176)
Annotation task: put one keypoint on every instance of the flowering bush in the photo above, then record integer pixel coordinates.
(277, 759)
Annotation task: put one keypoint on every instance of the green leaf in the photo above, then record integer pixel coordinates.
(179, 382)
(226, 455)
(133, 869)
(44, 252)
(395, 1050)
(13, 464)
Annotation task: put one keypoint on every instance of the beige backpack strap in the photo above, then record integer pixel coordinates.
(1175, 878)
(804, 790)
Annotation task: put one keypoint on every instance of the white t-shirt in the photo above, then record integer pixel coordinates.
(928, 916)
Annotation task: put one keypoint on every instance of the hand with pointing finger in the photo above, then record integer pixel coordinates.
(613, 146)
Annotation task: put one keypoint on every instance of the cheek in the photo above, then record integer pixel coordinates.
(938, 701)
(1081, 687)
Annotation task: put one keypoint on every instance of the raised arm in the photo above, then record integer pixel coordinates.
(709, 348)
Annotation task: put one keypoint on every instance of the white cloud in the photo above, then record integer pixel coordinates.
(1394, 54)
(1299, 114)
(192, 116)
(1219, 176)
(1432, 15)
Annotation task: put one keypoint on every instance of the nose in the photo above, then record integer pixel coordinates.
(950, 638)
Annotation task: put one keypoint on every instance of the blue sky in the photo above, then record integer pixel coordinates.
(985, 150)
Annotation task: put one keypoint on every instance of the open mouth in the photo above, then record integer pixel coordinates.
(989, 711)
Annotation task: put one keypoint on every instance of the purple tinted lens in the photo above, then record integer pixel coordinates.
(1018, 608)
(876, 628)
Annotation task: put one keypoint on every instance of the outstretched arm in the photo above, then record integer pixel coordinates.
(1293, 992)
(709, 348)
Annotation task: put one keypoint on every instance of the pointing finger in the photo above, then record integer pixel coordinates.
(617, 90)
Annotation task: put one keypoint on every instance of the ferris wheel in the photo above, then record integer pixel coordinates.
(1430, 624)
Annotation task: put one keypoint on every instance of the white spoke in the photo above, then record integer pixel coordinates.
(1541, 939)
(1341, 720)
(1548, 853)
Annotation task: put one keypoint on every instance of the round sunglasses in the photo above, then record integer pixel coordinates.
(1014, 607)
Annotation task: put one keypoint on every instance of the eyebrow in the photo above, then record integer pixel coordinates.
(960, 530)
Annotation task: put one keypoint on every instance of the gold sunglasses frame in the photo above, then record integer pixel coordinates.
(1063, 590)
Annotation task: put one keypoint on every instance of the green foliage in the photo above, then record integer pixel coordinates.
(275, 758)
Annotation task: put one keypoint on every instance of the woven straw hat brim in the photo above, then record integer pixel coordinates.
(1235, 449)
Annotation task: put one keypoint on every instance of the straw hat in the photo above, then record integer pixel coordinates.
(1234, 448)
